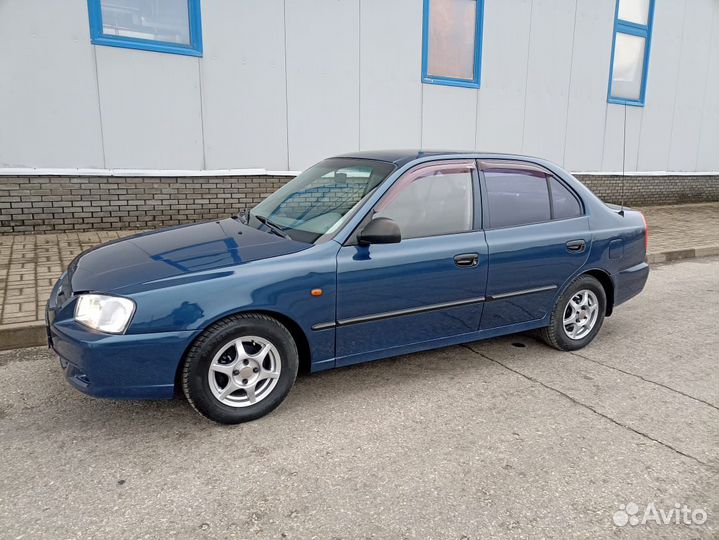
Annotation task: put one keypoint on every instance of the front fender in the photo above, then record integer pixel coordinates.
(281, 285)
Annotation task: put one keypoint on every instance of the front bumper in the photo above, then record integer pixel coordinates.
(129, 366)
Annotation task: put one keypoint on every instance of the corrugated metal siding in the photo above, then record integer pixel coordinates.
(284, 83)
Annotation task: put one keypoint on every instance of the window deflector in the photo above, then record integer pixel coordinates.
(419, 172)
(519, 167)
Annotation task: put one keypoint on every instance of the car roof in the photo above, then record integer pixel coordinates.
(402, 157)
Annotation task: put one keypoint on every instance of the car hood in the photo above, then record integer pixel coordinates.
(172, 252)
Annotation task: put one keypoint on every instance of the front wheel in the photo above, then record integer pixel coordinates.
(577, 316)
(240, 369)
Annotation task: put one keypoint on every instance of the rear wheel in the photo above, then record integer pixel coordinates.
(240, 369)
(577, 315)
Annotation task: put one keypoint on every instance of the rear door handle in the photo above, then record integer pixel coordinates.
(466, 259)
(576, 246)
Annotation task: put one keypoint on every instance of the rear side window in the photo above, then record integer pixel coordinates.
(431, 201)
(564, 204)
(517, 197)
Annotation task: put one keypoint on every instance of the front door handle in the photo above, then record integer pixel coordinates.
(576, 246)
(467, 260)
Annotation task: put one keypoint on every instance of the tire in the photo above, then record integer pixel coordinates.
(584, 289)
(240, 369)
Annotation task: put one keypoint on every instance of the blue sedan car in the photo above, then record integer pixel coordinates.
(361, 257)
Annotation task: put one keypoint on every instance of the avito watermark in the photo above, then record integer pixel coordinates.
(679, 514)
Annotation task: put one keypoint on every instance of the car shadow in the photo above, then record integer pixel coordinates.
(312, 393)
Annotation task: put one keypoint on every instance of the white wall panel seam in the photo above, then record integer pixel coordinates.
(287, 103)
(641, 120)
(359, 74)
(569, 85)
(421, 116)
(639, 138)
(476, 115)
(606, 103)
(99, 106)
(604, 132)
(202, 113)
(705, 98)
(676, 88)
(526, 71)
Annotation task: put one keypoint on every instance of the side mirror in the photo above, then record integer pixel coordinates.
(380, 230)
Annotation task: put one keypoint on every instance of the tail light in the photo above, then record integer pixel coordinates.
(646, 233)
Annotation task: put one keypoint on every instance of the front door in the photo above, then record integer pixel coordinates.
(427, 287)
(538, 237)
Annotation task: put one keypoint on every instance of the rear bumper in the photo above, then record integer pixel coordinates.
(139, 366)
(630, 282)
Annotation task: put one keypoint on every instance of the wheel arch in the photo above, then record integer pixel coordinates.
(303, 345)
(605, 280)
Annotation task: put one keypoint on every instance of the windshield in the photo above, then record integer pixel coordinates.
(321, 199)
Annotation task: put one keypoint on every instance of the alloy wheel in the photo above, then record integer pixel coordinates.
(580, 314)
(244, 371)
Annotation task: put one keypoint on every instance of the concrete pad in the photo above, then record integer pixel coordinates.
(497, 441)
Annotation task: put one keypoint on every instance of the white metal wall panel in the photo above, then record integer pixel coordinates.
(284, 83)
(449, 117)
(618, 146)
(390, 74)
(49, 115)
(322, 78)
(656, 129)
(550, 61)
(150, 105)
(708, 148)
(587, 109)
(500, 115)
(243, 84)
(689, 101)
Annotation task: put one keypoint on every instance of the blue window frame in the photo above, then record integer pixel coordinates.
(452, 42)
(630, 52)
(169, 26)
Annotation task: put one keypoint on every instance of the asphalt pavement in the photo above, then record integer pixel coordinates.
(503, 438)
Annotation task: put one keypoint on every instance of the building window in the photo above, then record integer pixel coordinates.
(169, 26)
(452, 42)
(630, 51)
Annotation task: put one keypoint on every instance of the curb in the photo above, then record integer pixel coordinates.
(679, 254)
(21, 335)
(32, 334)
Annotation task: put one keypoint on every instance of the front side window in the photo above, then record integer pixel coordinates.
(321, 199)
(452, 42)
(431, 201)
(171, 26)
(630, 51)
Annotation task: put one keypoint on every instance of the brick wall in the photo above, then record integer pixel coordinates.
(59, 203)
(653, 190)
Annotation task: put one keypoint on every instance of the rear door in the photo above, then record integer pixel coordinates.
(429, 286)
(537, 237)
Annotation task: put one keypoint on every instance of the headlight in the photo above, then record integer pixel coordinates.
(109, 314)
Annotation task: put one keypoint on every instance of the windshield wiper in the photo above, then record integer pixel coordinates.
(272, 226)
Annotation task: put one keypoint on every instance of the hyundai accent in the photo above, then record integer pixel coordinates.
(362, 256)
